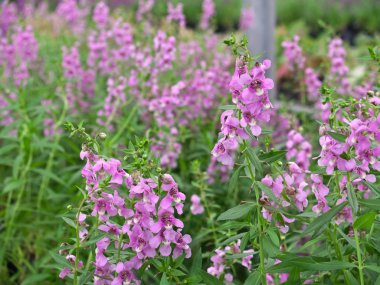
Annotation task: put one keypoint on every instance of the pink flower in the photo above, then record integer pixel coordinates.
(175, 14)
(208, 10)
(166, 220)
(196, 208)
(293, 53)
(224, 150)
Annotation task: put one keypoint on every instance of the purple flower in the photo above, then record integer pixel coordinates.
(224, 150)
(124, 274)
(182, 245)
(196, 207)
(166, 220)
(208, 10)
(139, 242)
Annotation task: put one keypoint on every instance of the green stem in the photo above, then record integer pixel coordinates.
(339, 254)
(49, 165)
(360, 261)
(77, 242)
(119, 248)
(12, 213)
(357, 242)
(205, 203)
(261, 247)
(260, 225)
(335, 238)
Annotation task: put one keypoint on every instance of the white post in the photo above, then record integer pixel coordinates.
(261, 33)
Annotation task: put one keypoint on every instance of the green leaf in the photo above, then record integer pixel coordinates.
(197, 262)
(164, 280)
(244, 241)
(365, 222)
(228, 107)
(35, 279)
(178, 261)
(70, 222)
(323, 220)
(273, 156)
(373, 53)
(254, 278)
(337, 137)
(176, 272)
(232, 186)
(274, 237)
(240, 255)
(236, 212)
(270, 248)
(327, 266)
(352, 199)
(373, 204)
(294, 277)
(374, 188)
(209, 279)
(233, 238)
(158, 264)
(351, 278)
(347, 238)
(252, 157)
(12, 185)
(374, 268)
(309, 263)
(266, 190)
(59, 259)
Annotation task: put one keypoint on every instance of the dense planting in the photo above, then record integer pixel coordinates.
(136, 151)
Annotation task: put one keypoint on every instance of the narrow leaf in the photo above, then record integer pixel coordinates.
(164, 280)
(374, 188)
(273, 156)
(232, 186)
(253, 279)
(324, 219)
(352, 199)
(236, 212)
(197, 262)
(365, 222)
(337, 137)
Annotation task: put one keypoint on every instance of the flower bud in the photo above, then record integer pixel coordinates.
(290, 191)
(102, 136)
(370, 93)
(322, 130)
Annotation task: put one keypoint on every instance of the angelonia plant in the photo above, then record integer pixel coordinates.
(127, 220)
(187, 169)
(309, 222)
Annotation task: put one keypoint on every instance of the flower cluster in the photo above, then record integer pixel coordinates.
(219, 262)
(208, 10)
(148, 229)
(246, 18)
(175, 14)
(115, 97)
(313, 84)
(196, 206)
(73, 14)
(339, 70)
(287, 188)
(145, 6)
(80, 82)
(293, 53)
(250, 93)
(298, 148)
(8, 16)
(18, 54)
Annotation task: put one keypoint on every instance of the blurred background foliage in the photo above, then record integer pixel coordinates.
(348, 17)
(345, 16)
